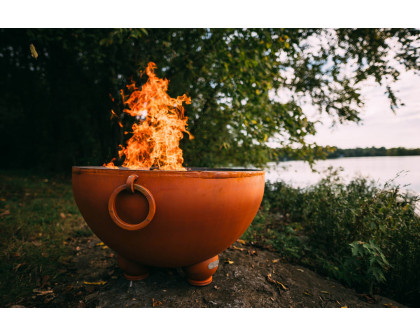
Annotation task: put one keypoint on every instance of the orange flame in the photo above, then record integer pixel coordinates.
(160, 126)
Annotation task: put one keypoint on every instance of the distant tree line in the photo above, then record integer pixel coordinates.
(371, 151)
(332, 152)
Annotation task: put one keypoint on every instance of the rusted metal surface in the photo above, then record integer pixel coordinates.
(194, 215)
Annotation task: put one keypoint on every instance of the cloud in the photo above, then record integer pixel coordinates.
(379, 126)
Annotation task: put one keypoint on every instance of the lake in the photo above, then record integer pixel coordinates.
(379, 168)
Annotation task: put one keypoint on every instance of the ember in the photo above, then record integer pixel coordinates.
(160, 126)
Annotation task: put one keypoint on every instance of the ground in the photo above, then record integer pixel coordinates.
(50, 258)
(248, 276)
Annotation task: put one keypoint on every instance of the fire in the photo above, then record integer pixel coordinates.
(160, 126)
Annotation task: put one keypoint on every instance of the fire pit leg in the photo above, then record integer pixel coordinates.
(201, 274)
(132, 270)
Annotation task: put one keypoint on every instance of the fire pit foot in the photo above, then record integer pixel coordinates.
(132, 270)
(200, 283)
(201, 274)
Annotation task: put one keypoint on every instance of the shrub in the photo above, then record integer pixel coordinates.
(362, 235)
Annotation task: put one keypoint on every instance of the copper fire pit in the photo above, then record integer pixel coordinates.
(155, 218)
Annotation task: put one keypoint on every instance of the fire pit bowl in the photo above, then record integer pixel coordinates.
(156, 218)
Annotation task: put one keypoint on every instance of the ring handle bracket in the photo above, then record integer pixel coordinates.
(130, 182)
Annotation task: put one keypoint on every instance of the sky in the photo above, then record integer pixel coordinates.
(379, 126)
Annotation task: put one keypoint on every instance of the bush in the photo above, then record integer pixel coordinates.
(362, 235)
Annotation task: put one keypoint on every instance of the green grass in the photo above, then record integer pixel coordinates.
(37, 218)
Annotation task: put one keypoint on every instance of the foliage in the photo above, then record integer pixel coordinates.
(357, 233)
(367, 258)
(266, 228)
(55, 108)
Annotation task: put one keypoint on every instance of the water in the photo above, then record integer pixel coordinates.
(379, 168)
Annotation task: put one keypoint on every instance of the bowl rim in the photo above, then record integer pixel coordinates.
(202, 172)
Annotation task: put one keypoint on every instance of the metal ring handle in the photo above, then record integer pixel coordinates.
(131, 186)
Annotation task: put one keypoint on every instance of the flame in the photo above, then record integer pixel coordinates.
(160, 126)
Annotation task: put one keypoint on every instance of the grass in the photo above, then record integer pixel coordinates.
(38, 217)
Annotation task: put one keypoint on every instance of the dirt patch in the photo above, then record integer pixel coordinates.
(247, 277)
